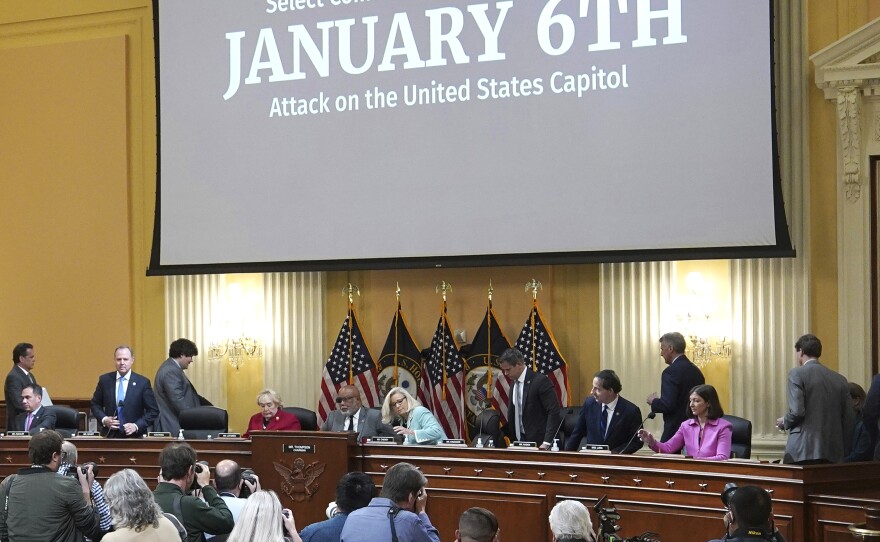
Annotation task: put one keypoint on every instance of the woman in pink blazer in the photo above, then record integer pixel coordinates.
(705, 435)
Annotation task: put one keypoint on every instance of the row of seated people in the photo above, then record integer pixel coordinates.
(45, 502)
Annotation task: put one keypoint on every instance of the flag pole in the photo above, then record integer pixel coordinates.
(443, 288)
(533, 286)
(350, 290)
(396, 321)
(489, 345)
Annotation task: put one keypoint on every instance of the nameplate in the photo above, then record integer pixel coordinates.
(17, 434)
(454, 442)
(523, 444)
(165, 434)
(88, 434)
(380, 440)
(595, 449)
(228, 435)
(299, 448)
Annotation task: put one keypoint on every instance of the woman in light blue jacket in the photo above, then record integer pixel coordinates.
(410, 418)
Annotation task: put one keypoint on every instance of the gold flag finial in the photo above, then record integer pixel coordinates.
(491, 289)
(533, 286)
(350, 290)
(397, 292)
(443, 288)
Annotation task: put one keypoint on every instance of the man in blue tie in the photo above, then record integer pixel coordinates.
(607, 418)
(123, 402)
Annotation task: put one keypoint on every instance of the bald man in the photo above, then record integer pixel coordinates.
(352, 416)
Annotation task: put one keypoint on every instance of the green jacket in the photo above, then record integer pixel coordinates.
(45, 506)
(210, 516)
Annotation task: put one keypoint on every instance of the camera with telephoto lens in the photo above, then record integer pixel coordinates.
(249, 476)
(608, 526)
(727, 493)
(72, 471)
(198, 468)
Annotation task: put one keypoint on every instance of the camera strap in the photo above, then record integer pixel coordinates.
(392, 513)
(7, 483)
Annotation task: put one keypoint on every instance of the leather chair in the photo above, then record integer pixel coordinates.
(741, 440)
(487, 426)
(204, 421)
(308, 420)
(570, 417)
(66, 420)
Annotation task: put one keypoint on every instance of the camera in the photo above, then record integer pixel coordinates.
(249, 476)
(608, 526)
(72, 472)
(727, 493)
(198, 468)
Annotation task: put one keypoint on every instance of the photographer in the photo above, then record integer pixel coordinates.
(749, 516)
(180, 474)
(40, 505)
(234, 485)
(68, 467)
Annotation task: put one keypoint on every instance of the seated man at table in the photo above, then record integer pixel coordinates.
(749, 517)
(352, 416)
(35, 417)
(607, 418)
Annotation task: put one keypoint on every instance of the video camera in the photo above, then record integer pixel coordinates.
(608, 526)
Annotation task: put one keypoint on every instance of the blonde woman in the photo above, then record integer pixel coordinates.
(410, 418)
(261, 520)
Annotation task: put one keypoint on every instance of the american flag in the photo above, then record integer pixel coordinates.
(482, 369)
(445, 359)
(539, 348)
(349, 362)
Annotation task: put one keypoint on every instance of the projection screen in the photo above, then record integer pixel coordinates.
(330, 134)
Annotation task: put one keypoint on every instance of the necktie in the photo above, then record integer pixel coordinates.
(517, 401)
(603, 421)
(351, 428)
(27, 423)
(120, 397)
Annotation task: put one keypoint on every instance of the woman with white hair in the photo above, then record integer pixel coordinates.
(261, 520)
(272, 416)
(136, 516)
(410, 418)
(570, 521)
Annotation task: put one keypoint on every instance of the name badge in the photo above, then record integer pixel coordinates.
(523, 444)
(380, 440)
(88, 434)
(299, 448)
(595, 448)
(153, 434)
(454, 442)
(228, 435)
(17, 434)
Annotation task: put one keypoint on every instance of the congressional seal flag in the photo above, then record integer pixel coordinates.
(444, 369)
(350, 362)
(539, 347)
(400, 363)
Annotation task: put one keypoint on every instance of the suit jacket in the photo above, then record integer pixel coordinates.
(871, 415)
(715, 444)
(820, 417)
(676, 383)
(43, 419)
(174, 393)
(139, 406)
(282, 421)
(625, 422)
(369, 423)
(540, 416)
(16, 381)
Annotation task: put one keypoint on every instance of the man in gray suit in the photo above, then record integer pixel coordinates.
(820, 415)
(353, 417)
(21, 375)
(174, 392)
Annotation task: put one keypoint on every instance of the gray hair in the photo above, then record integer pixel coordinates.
(72, 455)
(271, 394)
(131, 502)
(388, 413)
(260, 519)
(572, 519)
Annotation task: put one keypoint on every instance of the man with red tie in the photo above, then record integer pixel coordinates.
(35, 417)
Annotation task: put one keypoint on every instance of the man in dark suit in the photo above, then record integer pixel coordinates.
(533, 413)
(174, 392)
(350, 415)
(123, 401)
(23, 360)
(607, 418)
(871, 415)
(35, 417)
(676, 383)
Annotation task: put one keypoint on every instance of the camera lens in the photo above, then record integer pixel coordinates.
(727, 492)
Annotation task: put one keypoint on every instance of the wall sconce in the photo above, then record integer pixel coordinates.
(236, 351)
(695, 312)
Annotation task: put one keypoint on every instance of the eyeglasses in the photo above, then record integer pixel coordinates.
(398, 402)
(340, 399)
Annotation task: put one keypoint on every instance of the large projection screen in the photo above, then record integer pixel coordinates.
(332, 134)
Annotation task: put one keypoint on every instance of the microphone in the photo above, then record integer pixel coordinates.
(556, 434)
(650, 416)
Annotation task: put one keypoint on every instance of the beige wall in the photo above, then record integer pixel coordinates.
(77, 182)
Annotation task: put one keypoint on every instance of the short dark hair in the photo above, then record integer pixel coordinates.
(610, 380)
(751, 507)
(182, 347)
(512, 356)
(38, 390)
(19, 351)
(675, 340)
(478, 523)
(710, 395)
(227, 481)
(810, 345)
(354, 491)
(176, 459)
(43, 445)
(400, 481)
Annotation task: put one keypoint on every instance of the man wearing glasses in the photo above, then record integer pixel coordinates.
(353, 417)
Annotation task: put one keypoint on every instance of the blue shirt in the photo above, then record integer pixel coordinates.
(324, 531)
(371, 523)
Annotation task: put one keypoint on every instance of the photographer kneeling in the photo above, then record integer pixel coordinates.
(749, 516)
